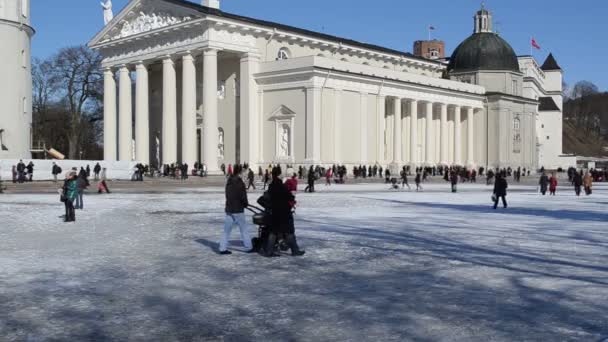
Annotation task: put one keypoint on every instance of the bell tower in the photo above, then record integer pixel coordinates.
(16, 81)
(483, 20)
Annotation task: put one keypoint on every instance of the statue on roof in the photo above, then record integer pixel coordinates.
(108, 15)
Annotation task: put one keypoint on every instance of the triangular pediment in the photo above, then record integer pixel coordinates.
(282, 112)
(141, 16)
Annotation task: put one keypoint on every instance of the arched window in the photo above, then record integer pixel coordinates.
(516, 135)
(283, 54)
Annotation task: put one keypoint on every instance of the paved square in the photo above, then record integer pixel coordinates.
(380, 266)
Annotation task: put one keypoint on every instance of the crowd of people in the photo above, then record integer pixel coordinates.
(23, 173)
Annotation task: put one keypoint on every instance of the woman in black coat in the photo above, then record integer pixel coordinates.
(500, 190)
(281, 220)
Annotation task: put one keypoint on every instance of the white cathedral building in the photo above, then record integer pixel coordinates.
(217, 87)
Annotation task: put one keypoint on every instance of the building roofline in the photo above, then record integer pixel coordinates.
(337, 39)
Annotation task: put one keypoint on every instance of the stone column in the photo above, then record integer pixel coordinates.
(429, 134)
(109, 115)
(444, 134)
(125, 120)
(313, 125)
(210, 122)
(457, 137)
(142, 115)
(250, 137)
(189, 142)
(363, 130)
(381, 128)
(470, 134)
(337, 125)
(169, 130)
(397, 135)
(414, 133)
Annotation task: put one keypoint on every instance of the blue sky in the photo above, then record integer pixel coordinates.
(575, 31)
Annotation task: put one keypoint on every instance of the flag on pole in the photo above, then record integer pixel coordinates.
(535, 44)
(432, 28)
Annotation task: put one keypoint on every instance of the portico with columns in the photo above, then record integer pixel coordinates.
(188, 83)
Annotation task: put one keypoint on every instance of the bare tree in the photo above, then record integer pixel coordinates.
(76, 74)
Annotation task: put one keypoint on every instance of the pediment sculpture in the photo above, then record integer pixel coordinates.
(145, 22)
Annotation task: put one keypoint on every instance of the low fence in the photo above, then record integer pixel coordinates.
(121, 170)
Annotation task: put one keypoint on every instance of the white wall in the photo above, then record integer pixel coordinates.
(42, 168)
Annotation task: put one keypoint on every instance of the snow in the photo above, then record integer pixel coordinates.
(380, 266)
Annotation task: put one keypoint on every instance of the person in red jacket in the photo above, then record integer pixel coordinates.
(552, 184)
(328, 177)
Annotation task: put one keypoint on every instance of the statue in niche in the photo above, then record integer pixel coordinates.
(284, 143)
(220, 145)
(108, 15)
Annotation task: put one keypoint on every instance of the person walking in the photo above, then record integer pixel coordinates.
(20, 172)
(103, 185)
(266, 179)
(404, 181)
(14, 171)
(236, 202)
(328, 175)
(578, 182)
(282, 222)
(55, 170)
(588, 183)
(418, 180)
(454, 180)
(552, 184)
(30, 171)
(250, 179)
(96, 171)
(500, 190)
(544, 183)
(311, 181)
(82, 183)
(69, 192)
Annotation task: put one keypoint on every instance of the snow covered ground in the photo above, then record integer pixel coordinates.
(380, 266)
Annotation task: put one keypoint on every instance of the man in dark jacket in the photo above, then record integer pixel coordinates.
(282, 222)
(577, 180)
(544, 183)
(236, 202)
(97, 170)
(500, 190)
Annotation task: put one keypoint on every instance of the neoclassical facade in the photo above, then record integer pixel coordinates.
(15, 79)
(216, 87)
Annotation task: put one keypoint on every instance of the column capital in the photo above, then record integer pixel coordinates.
(123, 67)
(168, 59)
(210, 52)
(187, 56)
(141, 65)
(108, 69)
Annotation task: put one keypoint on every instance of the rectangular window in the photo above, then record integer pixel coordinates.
(514, 87)
(24, 105)
(23, 59)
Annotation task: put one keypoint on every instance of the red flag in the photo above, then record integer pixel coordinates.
(535, 44)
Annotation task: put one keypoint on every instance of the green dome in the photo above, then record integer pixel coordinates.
(483, 51)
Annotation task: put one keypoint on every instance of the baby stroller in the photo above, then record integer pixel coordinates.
(261, 218)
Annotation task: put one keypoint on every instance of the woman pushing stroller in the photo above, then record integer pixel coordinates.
(281, 218)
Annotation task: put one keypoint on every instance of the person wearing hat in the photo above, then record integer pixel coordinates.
(69, 193)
